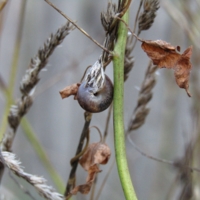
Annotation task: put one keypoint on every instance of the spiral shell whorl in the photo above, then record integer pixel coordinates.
(97, 102)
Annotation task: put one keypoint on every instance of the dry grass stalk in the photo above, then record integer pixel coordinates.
(31, 77)
(178, 16)
(110, 23)
(108, 17)
(16, 113)
(75, 25)
(37, 182)
(145, 95)
(2, 4)
(184, 174)
(147, 17)
(29, 81)
(74, 162)
(128, 58)
(110, 26)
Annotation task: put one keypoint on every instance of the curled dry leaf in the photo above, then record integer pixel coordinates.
(69, 90)
(164, 55)
(96, 153)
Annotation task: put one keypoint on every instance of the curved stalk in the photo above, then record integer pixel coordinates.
(10, 89)
(41, 153)
(118, 117)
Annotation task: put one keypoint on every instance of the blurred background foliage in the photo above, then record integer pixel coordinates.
(172, 126)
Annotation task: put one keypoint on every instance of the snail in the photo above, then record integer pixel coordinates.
(95, 102)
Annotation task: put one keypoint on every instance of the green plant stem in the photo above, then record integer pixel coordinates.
(10, 89)
(120, 151)
(29, 133)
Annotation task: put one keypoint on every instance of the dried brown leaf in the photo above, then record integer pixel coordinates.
(164, 55)
(69, 90)
(85, 188)
(96, 153)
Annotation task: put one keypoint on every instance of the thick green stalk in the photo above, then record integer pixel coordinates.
(120, 150)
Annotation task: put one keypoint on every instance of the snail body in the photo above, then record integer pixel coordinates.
(95, 102)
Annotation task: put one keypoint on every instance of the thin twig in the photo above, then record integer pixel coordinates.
(72, 176)
(77, 156)
(127, 26)
(178, 17)
(107, 123)
(159, 159)
(184, 175)
(92, 193)
(80, 29)
(135, 24)
(137, 15)
(98, 130)
(125, 6)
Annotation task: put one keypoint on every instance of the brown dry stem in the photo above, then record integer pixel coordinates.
(78, 27)
(72, 176)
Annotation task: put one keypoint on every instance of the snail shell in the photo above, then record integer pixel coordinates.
(97, 102)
